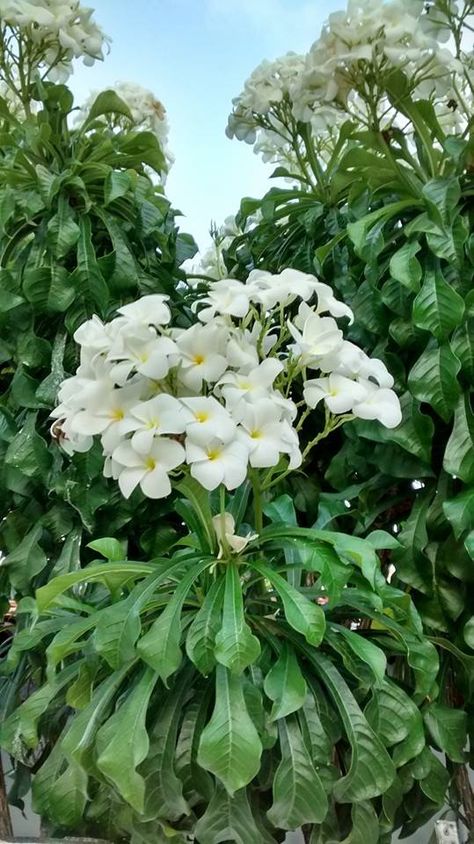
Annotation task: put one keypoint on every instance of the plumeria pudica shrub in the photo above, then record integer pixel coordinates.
(256, 676)
(373, 128)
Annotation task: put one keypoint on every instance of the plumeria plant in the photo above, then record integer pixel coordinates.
(256, 676)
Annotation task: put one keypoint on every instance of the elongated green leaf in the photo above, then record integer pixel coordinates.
(230, 746)
(28, 451)
(285, 684)
(87, 277)
(459, 511)
(66, 642)
(438, 308)
(236, 646)
(442, 197)
(301, 614)
(371, 770)
(462, 344)
(363, 648)
(107, 102)
(448, 729)
(48, 289)
(78, 741)
(194, 779)
(63, 230)
(365, 825)
(124, 742)
(392, 714)
(27, 560)
(125, 571)
(202, 633)
(199, 500)
(405, 267)
(69, 797)
(118, 626)
(164, 790)
(160, 646)
(459, 455)
(298, 794)
(433, 379)
(228, 819)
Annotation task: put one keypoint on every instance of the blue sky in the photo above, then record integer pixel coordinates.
(195, 56)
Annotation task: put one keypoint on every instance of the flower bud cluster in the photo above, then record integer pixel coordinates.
(225, 395)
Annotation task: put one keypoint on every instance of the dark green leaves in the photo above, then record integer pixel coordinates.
(235, 646)
(285, 684)
(123, 742)
(230, 746)
(433, 379)
(301, 614)
(438, 308)
(228, 819)
(448, 729)
(459, 454)
(298, 794)
(200, 641)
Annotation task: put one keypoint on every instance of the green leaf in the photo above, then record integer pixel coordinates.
(285, 684)
(365, 825)
(164, 790)
(200, 640)
(433, 379)
(28, 451)
(107, 102)
(160, 646)
(66, 642)
(79, 739)
(301, 614)
(392, 714)
(405, 267)
(236, 646)
(117, 184)
(108, 547)
(438, 308)
(462, 344)
(26, 561)
(298, 794)
(448, 729)
(194, 778)
(124, 742)
(48, 389)
(365, 650)
(102, 572)
(63, 230)
(228, 819)
(442, 197)
(459, 455)
(371, 770)
(48, 289)
(87, 276)
(459, 511)
(230, 746)
(199, 500)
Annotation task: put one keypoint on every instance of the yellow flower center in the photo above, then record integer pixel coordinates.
(150, 464)
(198, 359)
(143, 358)
(213, 453)
(117, 415)
(255, 435)
(201, 416)
(245, 385)
(152, 423)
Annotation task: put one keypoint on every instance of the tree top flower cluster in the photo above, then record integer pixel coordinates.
(57, 31)
(228, 394)
(345, 71)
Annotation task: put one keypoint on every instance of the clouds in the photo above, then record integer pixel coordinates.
(293, 24)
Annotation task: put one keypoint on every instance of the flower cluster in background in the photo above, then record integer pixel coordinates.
(53, 33)
(344, 76)
(229, 393)
(148, 114)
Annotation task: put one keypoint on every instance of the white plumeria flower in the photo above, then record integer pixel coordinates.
(282, 289)
(224, 526)
(327, 303)
(149, 310)
(251, 386)
(379, 403)
(103, 415)
(226, 296)
(207, 419)
(217, 463)
(264, 435)
(338, 392)
(318, 336)
(149, 470)
(94, 334)
(141, 350)
(351, 361)
(202, 355)
(162, 414)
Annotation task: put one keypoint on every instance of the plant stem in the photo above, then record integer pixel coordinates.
(257, 502)
(6, 830)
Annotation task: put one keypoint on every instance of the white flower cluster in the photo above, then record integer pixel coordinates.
(219, 396)
(62, 30)
(343, 69)
(148, 113)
